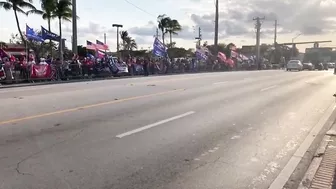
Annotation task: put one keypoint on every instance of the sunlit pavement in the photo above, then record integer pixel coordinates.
(212, 130)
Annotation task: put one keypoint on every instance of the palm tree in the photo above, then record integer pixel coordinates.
(2, 45)
(163, 21)
(48, 6)
(18, 6)
(131, 44)
(62, 12)
(124, 36)
(173, 26)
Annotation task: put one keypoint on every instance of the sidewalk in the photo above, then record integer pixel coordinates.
(321, 172)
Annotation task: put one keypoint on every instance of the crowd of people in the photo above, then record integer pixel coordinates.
(20, 70)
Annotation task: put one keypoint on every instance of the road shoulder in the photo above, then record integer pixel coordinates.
(303, 175)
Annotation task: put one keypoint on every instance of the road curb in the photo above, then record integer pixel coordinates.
(320, 172)
(109, 78)
(314, 165)
(292, 173)
(60, 82)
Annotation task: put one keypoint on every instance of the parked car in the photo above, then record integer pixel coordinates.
(331, 64)
(319, 66)
(294, 65)
(308, 66)
(325, 66)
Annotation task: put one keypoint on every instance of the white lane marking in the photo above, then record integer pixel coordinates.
(268, 88)
(218, 83)
(287, 171)
(235, 137)
(154, 124)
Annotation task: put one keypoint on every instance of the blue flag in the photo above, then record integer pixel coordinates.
(159, 48)
(201, 55)
(31, 35)
(49, 35)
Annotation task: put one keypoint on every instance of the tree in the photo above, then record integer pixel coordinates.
(18, 6)
(131, 44)
(48, 6)
(62, 12)
(124, 36)
(40, 48)
(171, 45)
(2, 45)
(173, 26)
(212, 49)
(82, 51)
(175, 52)
(163, 21)
(128, 43)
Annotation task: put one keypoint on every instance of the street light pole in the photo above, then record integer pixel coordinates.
(117, 26)
(216, 27)
(293, 46)
(74, 27)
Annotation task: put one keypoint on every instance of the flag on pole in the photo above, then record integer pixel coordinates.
(32, 35)
(101, 46)
(90, 45)
(159, 48)
(200, 55)
(46, 34)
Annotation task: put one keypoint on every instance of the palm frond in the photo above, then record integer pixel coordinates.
(26, 5)
(6, 5)
(18, 9)
(39, 12)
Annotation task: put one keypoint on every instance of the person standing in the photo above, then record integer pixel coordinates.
(145, 66)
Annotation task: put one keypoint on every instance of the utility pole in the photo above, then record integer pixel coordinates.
(199, 37)
(117, 26)
(258, 27)
(74, 27)
(105, 41)
(275, 32)
(157, 33)
(216, 28)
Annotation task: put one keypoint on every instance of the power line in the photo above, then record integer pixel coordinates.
(143, 10)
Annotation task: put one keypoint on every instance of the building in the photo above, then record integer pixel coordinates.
(320, 54)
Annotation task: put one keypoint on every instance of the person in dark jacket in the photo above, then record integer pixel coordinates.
(145, 66)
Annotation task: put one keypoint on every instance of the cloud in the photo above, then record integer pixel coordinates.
(309, 17)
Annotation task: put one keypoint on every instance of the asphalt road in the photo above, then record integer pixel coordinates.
(198, 131)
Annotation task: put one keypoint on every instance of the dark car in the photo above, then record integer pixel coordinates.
(325, 66)
(319, 66)
(308, 66)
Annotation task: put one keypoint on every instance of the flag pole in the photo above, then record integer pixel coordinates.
(26, 45)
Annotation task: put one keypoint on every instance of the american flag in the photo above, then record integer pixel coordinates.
(100, 54)
(101, 45)
(90, 45)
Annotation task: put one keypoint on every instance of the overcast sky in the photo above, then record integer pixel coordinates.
(314, 19)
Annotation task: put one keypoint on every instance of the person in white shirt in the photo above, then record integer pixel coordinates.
(43, 61)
